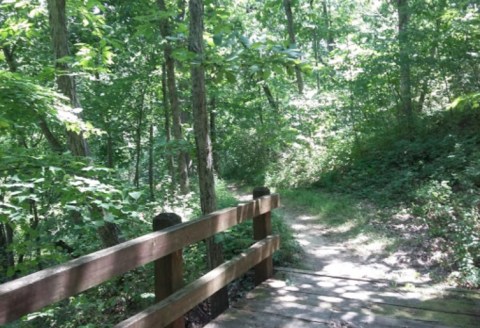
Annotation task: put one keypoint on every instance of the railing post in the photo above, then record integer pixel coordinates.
(262, 227)
(168, 269)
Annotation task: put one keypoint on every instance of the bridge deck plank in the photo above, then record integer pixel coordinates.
(300, 299)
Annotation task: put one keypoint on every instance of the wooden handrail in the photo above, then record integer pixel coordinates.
(180, 302)
(37, 290)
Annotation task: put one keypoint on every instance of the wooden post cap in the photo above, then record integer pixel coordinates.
(260, 191)
(165, 220)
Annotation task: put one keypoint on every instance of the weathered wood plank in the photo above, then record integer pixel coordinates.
(420, 297)
(238, 318)
(447, 291)
(45, 287)
(297, 302)
(354, 313)
(164, 312)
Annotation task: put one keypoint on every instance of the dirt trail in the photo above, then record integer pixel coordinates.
(327, 250)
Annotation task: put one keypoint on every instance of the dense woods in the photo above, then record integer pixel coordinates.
(114, 111)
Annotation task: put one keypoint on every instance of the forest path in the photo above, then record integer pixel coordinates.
(332, 250)
(348, 249)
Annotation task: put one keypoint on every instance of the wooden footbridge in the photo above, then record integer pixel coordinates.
(291, 298)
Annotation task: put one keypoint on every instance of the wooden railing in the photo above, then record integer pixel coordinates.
(35, 291)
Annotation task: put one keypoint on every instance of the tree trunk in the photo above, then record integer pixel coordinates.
(151, 144)
(268, 94)
(213, 133)
(174, 105)
(403, 42)
(166, 111)
(328, 27)
(151, 181)
(55, 145)
(6, 256)
(138, 139)
(65, 81)
(109, 232)
(291, 36)
(219, 301)
(316, 55)
(10, 58)
(109, 149)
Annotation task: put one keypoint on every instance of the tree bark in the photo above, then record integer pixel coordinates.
(213, 133)
(326, 16)
(109, 149)
(151, 148)
(10, 58)
(55, 145)
(174, 104)
(138, 139)
(65, 81)
(109, 232)
(291, 36)
(316, 55)
(219, 301)
(151, 181)
(166, 111)
(403, 42)
(6, 255)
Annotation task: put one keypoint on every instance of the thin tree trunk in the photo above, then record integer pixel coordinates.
(403, 41)
(291, 36)
(109, 149)
(423, 95)
(109, 232)
(55, 145)
(166, 111)
(174, 104)
(316, 55)
(219, 301)
(35, 221)
(213, 133)
(269, 95)
(328, 26)
(138, 139)
(10, 58)
(151, 176)
(151, 181)
(7, 258)
(181, 4)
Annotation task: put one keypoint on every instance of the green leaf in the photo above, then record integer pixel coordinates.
(135, 194)
(217, 39)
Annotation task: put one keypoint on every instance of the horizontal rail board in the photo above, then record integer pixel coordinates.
(31, 293)
(180, 302)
